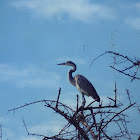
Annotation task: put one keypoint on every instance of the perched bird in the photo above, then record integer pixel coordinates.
(82, 84)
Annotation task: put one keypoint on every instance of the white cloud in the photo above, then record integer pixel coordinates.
(2, 120)
(49, 129)
(29, 138)
(134, 22)
(82, 10)
(137, 5)
(133, 10)
(28, 77)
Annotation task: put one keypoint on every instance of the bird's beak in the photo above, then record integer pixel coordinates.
(61, 64)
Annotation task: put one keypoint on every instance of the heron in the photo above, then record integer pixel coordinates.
(83, 85)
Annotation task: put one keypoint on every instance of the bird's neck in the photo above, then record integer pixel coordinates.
(70, 77)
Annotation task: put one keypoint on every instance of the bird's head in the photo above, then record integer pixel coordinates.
(68, 63)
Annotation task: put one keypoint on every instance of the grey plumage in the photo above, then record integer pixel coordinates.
(82, 84)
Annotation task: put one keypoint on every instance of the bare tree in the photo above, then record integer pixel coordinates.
(94, 122)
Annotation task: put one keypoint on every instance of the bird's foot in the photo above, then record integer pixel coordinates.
(84, 100)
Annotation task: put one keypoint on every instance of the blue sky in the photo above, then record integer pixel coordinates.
(36, 35)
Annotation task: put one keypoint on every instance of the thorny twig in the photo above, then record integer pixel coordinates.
(117, 115)
(58, 97)
(128, 94)
(125, 71)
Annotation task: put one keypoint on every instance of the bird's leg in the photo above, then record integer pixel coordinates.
(84, 100)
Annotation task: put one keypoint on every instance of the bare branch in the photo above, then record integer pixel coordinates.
(58, 97)
(128, 94)
(134, 64)
(117, 115)
(121, 71)
(115, 93)
(96, 58)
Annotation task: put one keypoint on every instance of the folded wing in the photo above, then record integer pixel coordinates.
(85, 87)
